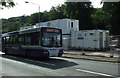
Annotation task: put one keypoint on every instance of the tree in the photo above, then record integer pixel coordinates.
(81, 11)
(33, 19)
(8, 3)
(113, 9)
(11, 26)
(14, 23)
(99, 19)
(57, 12)
(45, 16)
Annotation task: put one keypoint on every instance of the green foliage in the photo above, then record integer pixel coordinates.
(44, 16)
(6, 4)
(33, 19)
(13, 24)
(81, 11)
(113, 10)
(99, 19)
(57, 12)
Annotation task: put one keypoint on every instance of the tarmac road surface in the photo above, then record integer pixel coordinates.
(57, 66)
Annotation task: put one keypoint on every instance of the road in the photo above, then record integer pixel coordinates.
(57, 66)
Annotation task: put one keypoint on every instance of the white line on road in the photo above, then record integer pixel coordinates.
(102, 74)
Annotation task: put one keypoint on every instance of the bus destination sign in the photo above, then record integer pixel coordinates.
(52, 30)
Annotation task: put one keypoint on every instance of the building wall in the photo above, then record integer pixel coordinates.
(64, 24)
(66, 41)
(88, 39)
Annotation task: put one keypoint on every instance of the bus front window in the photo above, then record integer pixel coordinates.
(57, 40)
(47, 40)
(51, 40)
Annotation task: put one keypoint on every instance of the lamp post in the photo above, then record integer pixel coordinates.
(38, 10)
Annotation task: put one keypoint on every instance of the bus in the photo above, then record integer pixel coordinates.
(43, 42)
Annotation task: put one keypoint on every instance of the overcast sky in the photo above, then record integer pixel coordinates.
(26, 9)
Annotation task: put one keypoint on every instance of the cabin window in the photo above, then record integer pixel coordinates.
(91, 34)
(71, 24)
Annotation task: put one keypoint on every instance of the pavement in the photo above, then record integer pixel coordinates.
(108, 56)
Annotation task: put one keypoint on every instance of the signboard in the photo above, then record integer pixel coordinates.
(51, 30)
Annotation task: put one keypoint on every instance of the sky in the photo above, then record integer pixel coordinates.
(23, 8)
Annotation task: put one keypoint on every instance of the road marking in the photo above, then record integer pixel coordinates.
(102, 74)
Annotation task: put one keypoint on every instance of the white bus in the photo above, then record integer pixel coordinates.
(41, 42)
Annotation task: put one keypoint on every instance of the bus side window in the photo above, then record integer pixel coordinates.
(27, 39)
(35, 39)
(15, 39)
(21, 39)
(10, 40)
(3, 40)
(7, 40)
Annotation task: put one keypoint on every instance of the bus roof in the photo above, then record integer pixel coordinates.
(25, 31)
(33, 30)
(10, 33)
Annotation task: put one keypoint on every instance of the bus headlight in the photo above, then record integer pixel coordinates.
(45, 52)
